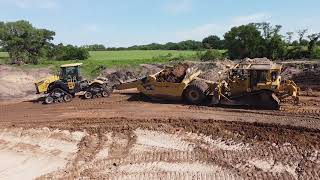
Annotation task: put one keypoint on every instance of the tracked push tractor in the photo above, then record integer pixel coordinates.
(70, 83)
(258, 85)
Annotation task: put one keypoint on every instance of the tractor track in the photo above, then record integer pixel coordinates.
(221, 149)
(129, 138)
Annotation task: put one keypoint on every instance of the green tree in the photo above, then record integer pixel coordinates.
(289, 37)
(24, 42)
(312, 44)
(243, 41)
(95, 47)
(61, 52)
(273, 45)
(212, 42)
(301, 34)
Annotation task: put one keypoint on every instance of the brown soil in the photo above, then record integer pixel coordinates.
(128, 138)
(173, 74)
(305, 74)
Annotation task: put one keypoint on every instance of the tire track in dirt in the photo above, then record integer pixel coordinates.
(131, 155)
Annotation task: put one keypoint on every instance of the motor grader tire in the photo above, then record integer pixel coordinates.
(196, 93)
(67, 98)
(48, 100)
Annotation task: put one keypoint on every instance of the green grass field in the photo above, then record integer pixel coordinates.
(3, 57)
(107, 59)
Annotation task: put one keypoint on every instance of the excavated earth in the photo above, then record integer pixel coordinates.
(128, 136)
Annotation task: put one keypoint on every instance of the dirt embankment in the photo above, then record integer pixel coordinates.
(17, 83)
(305, 73)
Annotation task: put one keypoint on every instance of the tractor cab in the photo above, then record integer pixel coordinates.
(254, 77)
(70, 71)
(70, 74)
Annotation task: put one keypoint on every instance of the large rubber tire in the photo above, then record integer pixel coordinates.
(49, 100)
(88, 95)
(105, 93)
(67, 98)
(196, 92)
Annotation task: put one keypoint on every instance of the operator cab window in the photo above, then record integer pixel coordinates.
(274, 76)
(70, 73)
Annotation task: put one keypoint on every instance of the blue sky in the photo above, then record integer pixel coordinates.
(130, 22)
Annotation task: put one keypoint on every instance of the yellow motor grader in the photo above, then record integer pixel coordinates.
(258, 85)
(69, 83)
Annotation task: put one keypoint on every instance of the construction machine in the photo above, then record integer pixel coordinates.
(70, 83)
(257, 85)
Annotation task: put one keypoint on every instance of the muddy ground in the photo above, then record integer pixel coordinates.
(125, 137)
(128, 136)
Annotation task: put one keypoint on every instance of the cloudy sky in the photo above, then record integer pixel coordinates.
(130, 22)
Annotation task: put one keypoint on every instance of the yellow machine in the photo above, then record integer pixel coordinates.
(69, 83)
(258, 85)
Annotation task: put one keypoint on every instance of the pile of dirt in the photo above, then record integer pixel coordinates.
(304, 73)
(115, 76)
(256, 61)
(19, 83)
(289, 72)
(211, 70)
(149, 69)
(119, 76)
(308, 79)
(173, 74)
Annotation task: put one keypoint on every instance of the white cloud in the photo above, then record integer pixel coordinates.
(258, 17)
(43, 4)
(92, 28)
(219, 28)
(200, 32)
(179, 6)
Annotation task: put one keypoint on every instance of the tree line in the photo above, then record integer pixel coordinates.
(28, 44)
(252, 40)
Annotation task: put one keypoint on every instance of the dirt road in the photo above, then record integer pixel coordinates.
(129, 137)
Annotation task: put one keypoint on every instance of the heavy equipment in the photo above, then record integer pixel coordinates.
(70, 83)
(258, 85)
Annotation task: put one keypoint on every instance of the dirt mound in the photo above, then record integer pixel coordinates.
(308, 79)
(148, 69)
(257, 61)
(120, 76)
(19, 83)
(211, 70)
(173, 74)
(305, 74)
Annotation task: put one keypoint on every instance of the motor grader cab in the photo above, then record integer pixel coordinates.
(69, 83)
